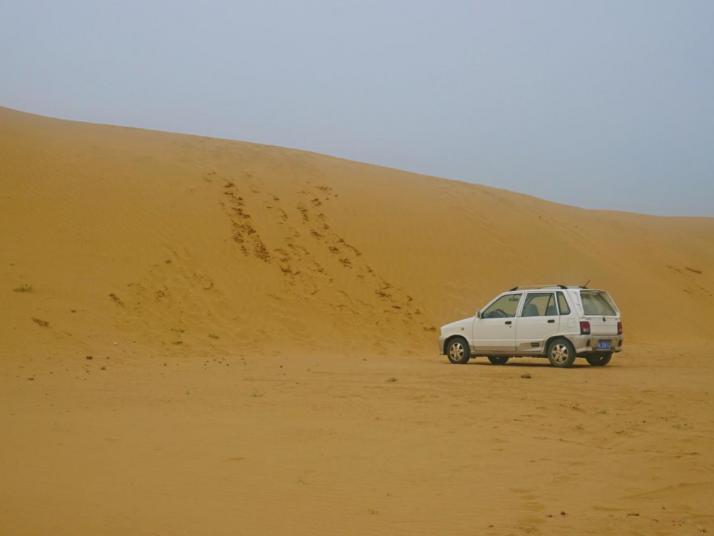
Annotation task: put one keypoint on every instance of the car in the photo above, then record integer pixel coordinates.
(559, 322)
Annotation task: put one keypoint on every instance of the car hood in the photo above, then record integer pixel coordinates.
(456, 326)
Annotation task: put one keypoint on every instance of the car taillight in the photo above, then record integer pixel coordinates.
(619, 328)
(584, 327)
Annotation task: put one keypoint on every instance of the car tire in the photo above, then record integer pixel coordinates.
(599, 360)
(498, 359)
(458, 351)
(561, 353)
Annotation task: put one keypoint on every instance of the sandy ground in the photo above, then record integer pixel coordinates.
(331, 445)
(262, 325)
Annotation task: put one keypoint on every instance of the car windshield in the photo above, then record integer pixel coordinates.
(597, 303)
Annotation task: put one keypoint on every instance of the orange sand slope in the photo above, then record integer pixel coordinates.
(123, 250)
(181, 244)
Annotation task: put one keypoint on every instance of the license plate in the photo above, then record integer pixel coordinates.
(603, 345)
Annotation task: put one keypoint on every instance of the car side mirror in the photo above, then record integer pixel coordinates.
(478, 314)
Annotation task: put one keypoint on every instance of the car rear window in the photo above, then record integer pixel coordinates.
(597, 303)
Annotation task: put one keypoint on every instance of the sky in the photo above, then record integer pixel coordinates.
(600, 104)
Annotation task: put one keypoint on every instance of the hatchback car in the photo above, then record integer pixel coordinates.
(558, 322)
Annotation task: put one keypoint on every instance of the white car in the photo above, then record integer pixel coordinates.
(557, 321)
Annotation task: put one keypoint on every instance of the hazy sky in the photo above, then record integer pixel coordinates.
(606, 104)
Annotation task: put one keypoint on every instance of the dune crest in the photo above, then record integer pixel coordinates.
(121, 238)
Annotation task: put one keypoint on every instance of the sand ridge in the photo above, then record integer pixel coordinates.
(130, 239)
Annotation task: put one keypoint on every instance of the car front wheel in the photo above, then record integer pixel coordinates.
(599, 360)
(561, 353)
(458, 351)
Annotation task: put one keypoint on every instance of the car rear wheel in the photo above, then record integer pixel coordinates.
(599, 360)
(497, 360)
(458, 351)
(561, 353)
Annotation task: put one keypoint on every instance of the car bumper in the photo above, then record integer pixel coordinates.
(590, 344)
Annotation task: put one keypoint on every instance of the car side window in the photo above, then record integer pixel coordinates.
(563, 304)
(504, 307)
(539, 304)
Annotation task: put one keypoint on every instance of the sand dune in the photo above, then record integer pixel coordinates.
(200, 336)
(185, 244)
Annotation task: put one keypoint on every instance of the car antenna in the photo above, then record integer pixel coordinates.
(586, 284)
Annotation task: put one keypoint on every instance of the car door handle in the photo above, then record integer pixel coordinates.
(508, 322)
(551, 321)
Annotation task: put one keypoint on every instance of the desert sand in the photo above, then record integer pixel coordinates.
(203, 336)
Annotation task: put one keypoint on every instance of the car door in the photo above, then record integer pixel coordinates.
(494, 329)
(537, 320)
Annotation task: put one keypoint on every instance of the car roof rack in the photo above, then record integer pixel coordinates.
(561, 286)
